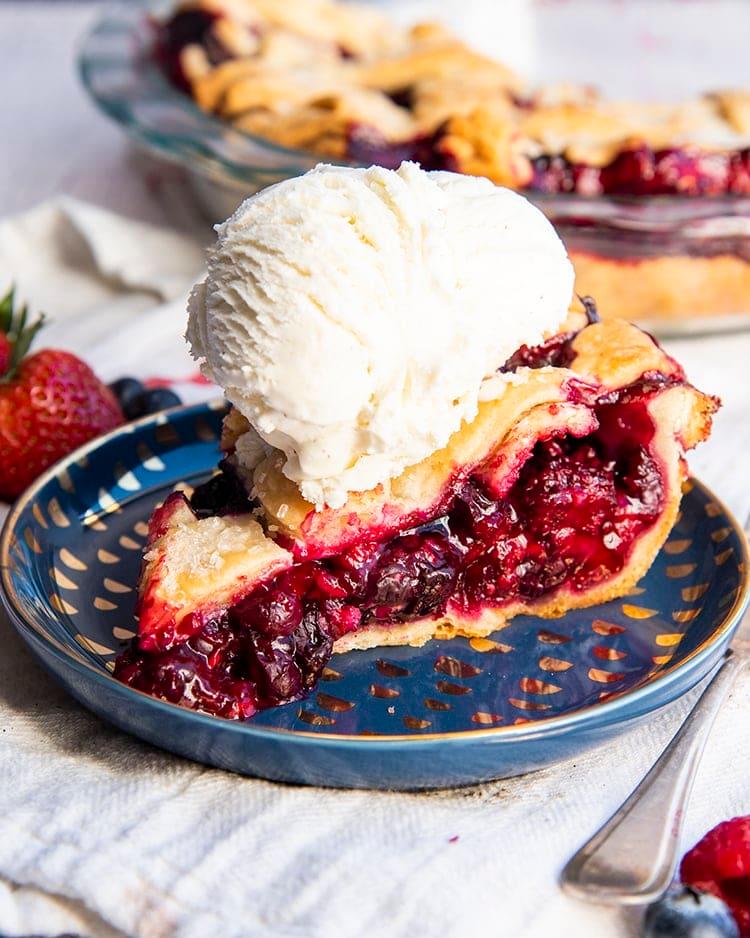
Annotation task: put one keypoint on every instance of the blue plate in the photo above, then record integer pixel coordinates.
(450, 713)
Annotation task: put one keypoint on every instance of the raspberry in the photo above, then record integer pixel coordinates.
(720, 864)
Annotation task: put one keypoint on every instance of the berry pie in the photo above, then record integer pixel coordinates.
(343, 81)
(556, 496)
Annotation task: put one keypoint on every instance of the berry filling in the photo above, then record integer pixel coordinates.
(568, 521)
(643, 171)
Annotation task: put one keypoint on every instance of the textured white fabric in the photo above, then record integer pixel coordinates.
(101, 834)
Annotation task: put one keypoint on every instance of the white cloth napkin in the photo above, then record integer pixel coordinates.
(101, 835)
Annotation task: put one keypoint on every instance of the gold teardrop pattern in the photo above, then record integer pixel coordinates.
(62, 605)
(531, 685)
(608, 654)
(383, 693)
(638, 612)
(62, 580)
(415, 723)
(533, 705)
(114, 586)
(165, 433)
(720, 535)
(57, 515)
(128, 543)
(204, 431)
(487, 645)
(601, 627)
(105, 556)
(554, 664)
(668, 639)
(686, 615)
(65, 481)
(71, 561)
(712, 509)
(677, 571)
(121, 634)
(38, 516)
(31, 542)
(96, 647)
(315, 719)
(333, 704)
(604, 677)
(552, 638)
(691, 594)
(104, 605)
(483, 718)
(721, 558)
(677, 547)
(140, 527)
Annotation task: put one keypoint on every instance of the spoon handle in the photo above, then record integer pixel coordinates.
(632, 858)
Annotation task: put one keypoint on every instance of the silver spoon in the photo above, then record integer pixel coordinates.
(632, 858)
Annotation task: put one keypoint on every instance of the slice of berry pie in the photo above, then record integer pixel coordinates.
(423, 442)
(558, 495)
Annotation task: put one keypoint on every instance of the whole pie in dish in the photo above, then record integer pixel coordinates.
(556, 493)
(345, 82)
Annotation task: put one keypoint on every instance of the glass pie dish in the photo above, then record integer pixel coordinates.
(676, 264)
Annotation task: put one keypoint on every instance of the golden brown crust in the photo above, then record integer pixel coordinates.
(665, 288)
(286, 59)
(611, 355)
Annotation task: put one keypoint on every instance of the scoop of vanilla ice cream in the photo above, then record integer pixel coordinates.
(352, 314)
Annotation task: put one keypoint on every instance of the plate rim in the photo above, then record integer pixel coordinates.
(605, 711)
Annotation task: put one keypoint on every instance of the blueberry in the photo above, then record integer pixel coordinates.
(127, 391)
(150, 401)
(685, 912)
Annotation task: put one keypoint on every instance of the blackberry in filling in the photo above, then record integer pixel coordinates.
(569, 520)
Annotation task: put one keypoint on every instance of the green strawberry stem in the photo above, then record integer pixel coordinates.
(20, 333)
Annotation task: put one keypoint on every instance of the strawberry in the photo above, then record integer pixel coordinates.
(50, 402)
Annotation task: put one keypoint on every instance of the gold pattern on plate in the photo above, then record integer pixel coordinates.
(204, 431)
(314, 719)
(414, 723)
(638, 612)
(453, 690)
(554, 664)
(721, 534)
(484, 645)
(606, 628)
(104, 556)
(455, 668)
(165, 434)
(691, 593)
(531, 685)
(39, 517)
(328, 674)
(125, 478)
(128, 543)
(608, 654)
(384, 693)
(721, 558)
(103, 605)
(389, 669)
(70, 560)
(31, 542)
(90, 645)
(686, 615)
(65, 481)
(604, 677)
(114, 586)
(57, 514)
(140, 527)
(109, 665)
(433, 704)
(61, 605)
(687, 486)
(728, 598)
(486, 719)
(662, 659)
(552, 638)
(334, 704)
(528, 704)
(636, 591)
(64, 581)
(676, 571)
(712, 509)
(677, 547)
(148, 460)
(668, 639)
(121, 634)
